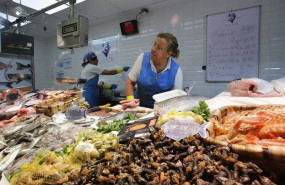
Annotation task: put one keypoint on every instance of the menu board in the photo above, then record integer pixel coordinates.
(233, 45)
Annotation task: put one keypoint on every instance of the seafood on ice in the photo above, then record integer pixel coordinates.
(252, 87)
(180, 103)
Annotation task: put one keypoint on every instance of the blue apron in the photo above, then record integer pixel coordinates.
(151, 83)
(90, 92)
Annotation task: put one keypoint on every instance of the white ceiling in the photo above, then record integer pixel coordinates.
(95, 10)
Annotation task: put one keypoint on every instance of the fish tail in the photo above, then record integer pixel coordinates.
(19, 66)
(9, 84)
(203, 129)
(19, 80)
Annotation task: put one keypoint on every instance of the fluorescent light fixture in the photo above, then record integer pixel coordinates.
(19, 11)
(40, 4)
(12, 18)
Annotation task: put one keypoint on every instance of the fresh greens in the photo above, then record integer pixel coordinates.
(115, 125)
(64, 151)
(202, 110)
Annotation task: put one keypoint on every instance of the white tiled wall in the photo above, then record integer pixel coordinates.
(191, 34)
(42, 64)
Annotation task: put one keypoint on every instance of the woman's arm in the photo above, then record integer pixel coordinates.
(109, 72)
(115, 71)
(178, 84)
(130, 86)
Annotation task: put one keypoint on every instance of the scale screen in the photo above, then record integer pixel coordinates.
(69, 28)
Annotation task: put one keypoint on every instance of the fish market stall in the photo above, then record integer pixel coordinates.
(52, 139)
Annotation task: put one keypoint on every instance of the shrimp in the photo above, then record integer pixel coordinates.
(265, 142)
(272, 131)
(220, 128)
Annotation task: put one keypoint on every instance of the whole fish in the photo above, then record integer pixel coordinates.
(8, 159)
(3, 143)
(12, 130)
(118, 116)
(1, 155)
(179, 103)
(29, 147)
(4, 66)
(22, 66)
(181, 128)
(17, 105)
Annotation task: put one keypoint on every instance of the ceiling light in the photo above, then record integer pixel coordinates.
(40, 4)
(19, 11)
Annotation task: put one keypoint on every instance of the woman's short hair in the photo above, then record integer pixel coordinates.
(172, 43)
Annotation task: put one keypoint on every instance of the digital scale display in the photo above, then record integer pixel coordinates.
(69, 28)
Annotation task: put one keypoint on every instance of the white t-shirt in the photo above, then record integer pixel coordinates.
(135, 72)
(90, 71)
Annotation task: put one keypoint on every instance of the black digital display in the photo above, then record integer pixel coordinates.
(69, 28)
(19, 44)
(129, 27)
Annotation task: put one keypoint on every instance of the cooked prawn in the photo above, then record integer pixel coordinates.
(272, 131)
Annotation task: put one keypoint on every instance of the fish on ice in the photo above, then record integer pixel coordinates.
(118, 116)
(180, 103)
(3, 143)
(8, 159)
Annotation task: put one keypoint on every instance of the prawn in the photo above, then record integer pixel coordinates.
(272, 131)
(220, 128)
(255, 121)
(265, 142)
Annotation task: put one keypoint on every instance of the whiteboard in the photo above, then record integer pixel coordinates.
(233, 45)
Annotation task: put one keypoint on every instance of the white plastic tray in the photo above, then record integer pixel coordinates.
(169, 94)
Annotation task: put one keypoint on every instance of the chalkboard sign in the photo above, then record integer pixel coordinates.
(233, 45)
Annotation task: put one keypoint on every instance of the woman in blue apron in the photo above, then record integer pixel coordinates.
(155, 71)
(91, 72)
